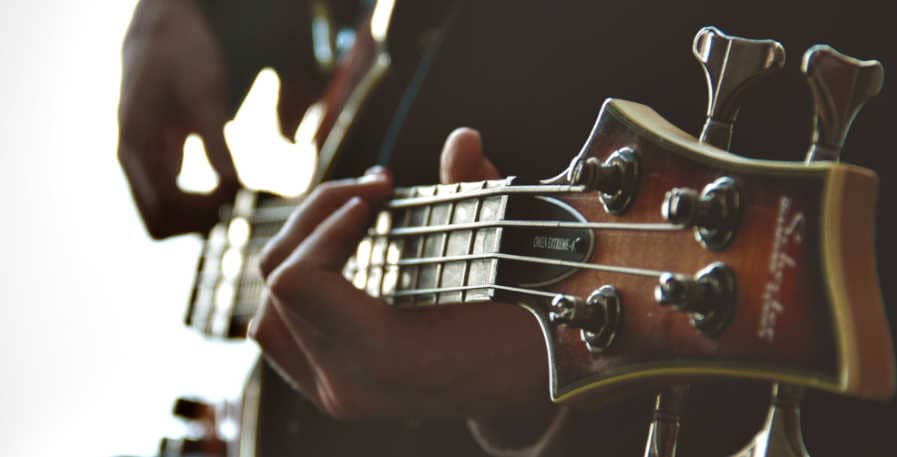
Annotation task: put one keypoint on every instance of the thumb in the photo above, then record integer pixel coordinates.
(463, 160)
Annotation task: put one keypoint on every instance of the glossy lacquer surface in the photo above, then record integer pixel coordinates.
(786, 324)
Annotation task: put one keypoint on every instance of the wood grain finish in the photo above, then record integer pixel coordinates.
(808, 304)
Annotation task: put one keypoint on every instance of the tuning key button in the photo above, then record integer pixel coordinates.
(608, 306)
(615, 179)
(714, 212)
(840, 86)
(597, 317)
(569, 310)
(708, 297)
(731, 64)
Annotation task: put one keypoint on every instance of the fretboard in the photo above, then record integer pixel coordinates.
(402, 268)
(432, 265)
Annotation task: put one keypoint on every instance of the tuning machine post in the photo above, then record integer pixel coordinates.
(663, 432)
(708, 297)
(598, 317)
(616, 178)
(781, 433)
(731, 64)
(840, 86)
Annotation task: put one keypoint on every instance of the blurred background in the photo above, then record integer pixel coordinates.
(94, 350)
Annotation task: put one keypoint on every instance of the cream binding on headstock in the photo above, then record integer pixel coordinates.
(657, 259)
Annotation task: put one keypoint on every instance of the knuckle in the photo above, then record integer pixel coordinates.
(267, 259)
(323, 190)
(277, 282)
(289, 281)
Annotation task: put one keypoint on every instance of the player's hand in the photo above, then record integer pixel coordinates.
(354, 356)
(173, 84)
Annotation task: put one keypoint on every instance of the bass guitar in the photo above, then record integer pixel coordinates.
(656, 259)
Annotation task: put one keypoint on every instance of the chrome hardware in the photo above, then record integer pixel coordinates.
(606, 303)
(616, 179)
(714, 213)
(568, 310)
(840, 86)
(663, 433)
(781, 434)
(618, 189)
(708, 297)
(731, 64)
(597, 317)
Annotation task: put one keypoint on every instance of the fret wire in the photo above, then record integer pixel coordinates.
(423, 241)
(651, 227)
(487, 192)
(445, 238)
(408, 217)
(530, 259)
(478, 206)
(436, 290)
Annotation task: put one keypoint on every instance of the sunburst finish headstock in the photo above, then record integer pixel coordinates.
(709, 264)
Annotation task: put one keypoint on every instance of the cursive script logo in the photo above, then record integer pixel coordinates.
(789, 232)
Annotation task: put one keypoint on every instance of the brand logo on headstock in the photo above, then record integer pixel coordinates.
(789, 232)
(554, 243)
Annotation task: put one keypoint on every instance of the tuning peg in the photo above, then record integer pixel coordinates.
(731, 64)
(840, 86)
(781, 433)
(663, 432)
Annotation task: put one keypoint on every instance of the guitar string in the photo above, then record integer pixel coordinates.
(403, 232)
(638, 226)
(407, 202)
(280, 213)
(449, 289)
(527, 259)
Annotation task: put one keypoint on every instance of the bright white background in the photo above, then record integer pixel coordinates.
(93, 350)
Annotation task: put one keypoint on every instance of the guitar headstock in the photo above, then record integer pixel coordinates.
(702, 263)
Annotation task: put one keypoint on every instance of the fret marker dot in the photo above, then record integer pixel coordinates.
(238, 231)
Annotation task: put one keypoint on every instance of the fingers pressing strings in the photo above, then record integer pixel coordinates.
(326, 199)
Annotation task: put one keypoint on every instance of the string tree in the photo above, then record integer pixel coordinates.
(731, 65)
(840, 86)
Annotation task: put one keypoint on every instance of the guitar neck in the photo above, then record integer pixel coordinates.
(433, 245)
(413, 248)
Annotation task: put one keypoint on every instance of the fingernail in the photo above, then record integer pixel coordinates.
(376, 169)
(355, 201)
(251, 329)
(376, 177)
